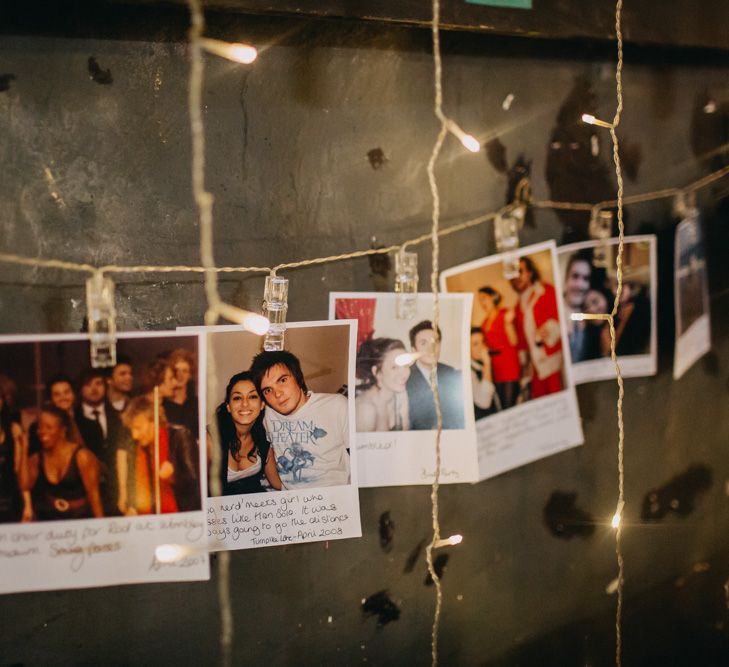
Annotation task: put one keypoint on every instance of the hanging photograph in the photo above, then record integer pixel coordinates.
(99, 466)
(589, 283)
(523, 396)
(394, 403)
(283, 424)
(693, 324)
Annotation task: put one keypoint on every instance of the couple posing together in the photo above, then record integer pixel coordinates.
(394, 394)
(276, 434)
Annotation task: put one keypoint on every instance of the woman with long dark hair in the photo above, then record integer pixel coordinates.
(247, 454)
(381, 403)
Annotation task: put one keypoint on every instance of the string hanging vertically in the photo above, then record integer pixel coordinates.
(617, 520)
(438, 109)
(613, 341)
(204, 201)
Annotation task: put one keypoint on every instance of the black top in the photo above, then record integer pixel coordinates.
(250, 484)
(51, 501)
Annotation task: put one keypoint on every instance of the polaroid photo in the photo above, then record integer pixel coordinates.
(100, 467)
(524, 400)
(588, 286)
(283, 423)
(691, 294)
(394, 403)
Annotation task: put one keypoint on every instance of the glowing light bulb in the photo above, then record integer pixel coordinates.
(468, 140)
(451, 541)
(243, 53)
(169, 553)
(471, 143)
(615, 523)
(591, 120)
(406, 358)
(257, 324)
(238, 53)
(253, 322)
(577, 317)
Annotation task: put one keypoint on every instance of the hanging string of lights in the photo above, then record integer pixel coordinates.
(216, 307)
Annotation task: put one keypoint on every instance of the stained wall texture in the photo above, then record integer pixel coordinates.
(320, 148)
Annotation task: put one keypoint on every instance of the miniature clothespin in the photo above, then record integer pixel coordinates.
(406, 284)
(275, 305)
(101, 314)
(506, 233)
(601, 229)
(684, 205)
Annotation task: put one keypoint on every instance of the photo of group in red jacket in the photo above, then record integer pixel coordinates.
(517, 349)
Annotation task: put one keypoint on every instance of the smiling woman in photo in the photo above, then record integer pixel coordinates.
(381, 403)
(247, 456)
(64, 475)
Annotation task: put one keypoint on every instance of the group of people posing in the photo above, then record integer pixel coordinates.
(273, 433)
(394, 394)
(516, 354)
(92, 449)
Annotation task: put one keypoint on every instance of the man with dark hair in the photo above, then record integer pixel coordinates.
(538, 329)
(309, 432)
(578, 274)
(421, 402)
(119, 383)
(113, 437)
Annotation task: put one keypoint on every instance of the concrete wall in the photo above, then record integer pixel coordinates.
(95, 167)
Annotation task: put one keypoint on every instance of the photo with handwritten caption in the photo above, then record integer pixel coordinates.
(394, 404)
(283, 423)
(101, 469)
(523, 393)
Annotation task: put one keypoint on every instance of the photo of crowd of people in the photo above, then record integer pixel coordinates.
(516, 334)
(283, 421)
(79, 442)
(588, 288)
(394, 363)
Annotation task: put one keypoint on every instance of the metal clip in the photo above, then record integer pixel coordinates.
(601, 229)
(102, 320)
(275, 305)
(684, 205)
(406, 285)
(506, 233)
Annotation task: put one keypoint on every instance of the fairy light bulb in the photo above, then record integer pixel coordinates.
(253, 322)
(591, 120)
(238, 53)
(257, 324)
(615, 523)
(169, 553)
(468, 140)
(451, 541)
(470, 143)
(406, 358)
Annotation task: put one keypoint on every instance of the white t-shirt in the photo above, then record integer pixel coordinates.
(311, 444)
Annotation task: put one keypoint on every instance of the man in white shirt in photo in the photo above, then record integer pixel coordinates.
(309, 431)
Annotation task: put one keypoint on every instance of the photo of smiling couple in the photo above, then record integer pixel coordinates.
(276, 433)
